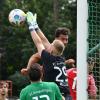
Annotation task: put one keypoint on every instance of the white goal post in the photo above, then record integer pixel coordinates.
(82, 48)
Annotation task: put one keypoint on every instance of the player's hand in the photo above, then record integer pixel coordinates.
(24, 71)
(31, 20)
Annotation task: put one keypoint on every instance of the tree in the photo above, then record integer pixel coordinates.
(56, 10)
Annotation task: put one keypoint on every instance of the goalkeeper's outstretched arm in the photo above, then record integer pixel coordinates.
(31, 20)
(33, 24)
(37, 42)
(45, 41)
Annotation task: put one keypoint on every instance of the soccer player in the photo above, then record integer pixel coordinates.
(72, 78)
(39, 90)
(61, 33)
(53, 62)
(3, 90)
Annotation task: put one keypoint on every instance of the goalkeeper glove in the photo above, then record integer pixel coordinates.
(31, 20)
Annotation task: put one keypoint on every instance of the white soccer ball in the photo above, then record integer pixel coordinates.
(17, 17)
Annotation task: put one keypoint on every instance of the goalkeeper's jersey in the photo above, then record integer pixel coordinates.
(41, 91)
(55, 71)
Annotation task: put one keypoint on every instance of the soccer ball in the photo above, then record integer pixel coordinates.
(17, 17)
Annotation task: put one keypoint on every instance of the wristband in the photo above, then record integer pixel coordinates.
(37, 29)
(31, 28)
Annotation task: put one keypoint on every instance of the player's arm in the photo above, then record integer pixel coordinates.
(45, 41)
(33, 59)
(34, 35)
(37, 42)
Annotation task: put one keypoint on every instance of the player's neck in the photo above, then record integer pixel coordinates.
(36, 81)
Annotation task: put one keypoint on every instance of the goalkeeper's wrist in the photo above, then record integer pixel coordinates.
(31, 28)
(37, 29)
(34, 27)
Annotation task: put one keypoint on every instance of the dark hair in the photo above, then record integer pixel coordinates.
(62, 31)
(35, 72)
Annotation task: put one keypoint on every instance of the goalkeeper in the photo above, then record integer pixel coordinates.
(53, 63)
(61, 34)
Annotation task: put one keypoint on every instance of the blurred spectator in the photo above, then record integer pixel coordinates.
(3, 90)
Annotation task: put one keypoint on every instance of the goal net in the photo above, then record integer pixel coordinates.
(94, 39)
(88, 44)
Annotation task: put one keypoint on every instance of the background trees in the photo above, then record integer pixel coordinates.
(16, 45)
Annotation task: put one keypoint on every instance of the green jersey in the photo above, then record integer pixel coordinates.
(41, 91)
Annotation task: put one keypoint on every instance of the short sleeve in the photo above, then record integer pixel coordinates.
(46, 57)
(57, 92)
(22, 95)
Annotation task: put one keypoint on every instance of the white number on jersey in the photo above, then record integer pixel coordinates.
(61, 72)
(46, 97)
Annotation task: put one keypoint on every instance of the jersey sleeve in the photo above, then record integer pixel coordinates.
(46, 57)
(58, 95)
(22, 95)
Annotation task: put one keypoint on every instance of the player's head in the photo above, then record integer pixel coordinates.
(62, 34)
(57, 47)
(90, 64)
(3, 89)
(70, 62)
(35, 72)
